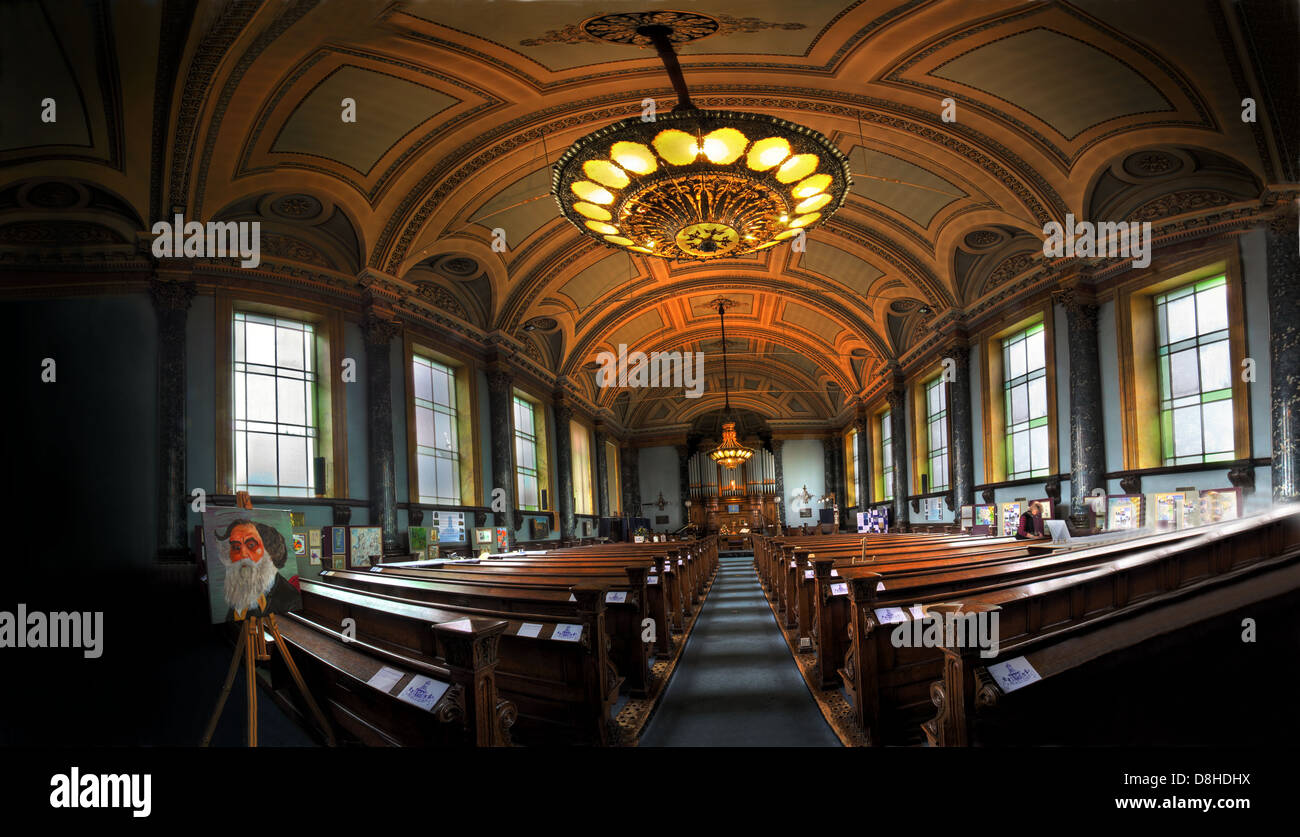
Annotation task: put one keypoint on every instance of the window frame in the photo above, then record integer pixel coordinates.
(850, 441)
(1168, 453)
(330, 397)
(938, 384)
(467, 430)
(1011, 427)
(992, 401)
(886, 455)
(579, 430)
(1135, 326)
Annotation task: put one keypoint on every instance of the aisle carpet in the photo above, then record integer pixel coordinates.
(736, 684)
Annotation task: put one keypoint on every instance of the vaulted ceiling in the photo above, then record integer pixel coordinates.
(437, 196)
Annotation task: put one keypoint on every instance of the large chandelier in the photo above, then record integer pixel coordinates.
(699, 184)
(729, 453)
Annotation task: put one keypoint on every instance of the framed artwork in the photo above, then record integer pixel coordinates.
(538, 528)
(983, 521)
(1220, 504)
(247, 552)
(366, 543)
(1124, 511)
(1010, 518)
(418, 539)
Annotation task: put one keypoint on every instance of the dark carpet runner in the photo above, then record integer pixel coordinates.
(736, 684)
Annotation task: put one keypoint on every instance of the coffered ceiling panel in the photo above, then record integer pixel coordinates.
(1053, 76)
(387, 109)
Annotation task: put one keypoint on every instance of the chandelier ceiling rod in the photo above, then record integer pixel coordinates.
(658, 35)
(726, 382)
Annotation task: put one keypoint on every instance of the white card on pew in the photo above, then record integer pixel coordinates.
(890, 615)
(841, 589)
(880, 585)
(807, 573)
(793, 565)
(567, 633)
(619, 597)
(1014, 674)
(376, 569)
(654, 579)
(835, 573)
(572, 598)
(423, 692)
(385, 679)
(680, 562)
(529, 629)
(917, 612)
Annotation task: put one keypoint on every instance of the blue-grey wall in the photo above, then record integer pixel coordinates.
(659, 474)
(803, 464)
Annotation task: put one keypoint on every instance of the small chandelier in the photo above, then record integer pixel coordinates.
(699, 184)
(729, 453)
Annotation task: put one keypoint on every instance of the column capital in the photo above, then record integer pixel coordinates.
(171, 294)
(379, 324)
(896, 399)
(500, 379)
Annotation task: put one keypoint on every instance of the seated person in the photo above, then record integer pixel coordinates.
(1031, 523)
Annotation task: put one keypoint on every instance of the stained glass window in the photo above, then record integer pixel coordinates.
(1196, 419)
(614, 484)
(887, 454)
(1024, 366)
(275, 406)
(851, 467)
(936, 420)
(526, 461)
(582, 488)
(437, 448)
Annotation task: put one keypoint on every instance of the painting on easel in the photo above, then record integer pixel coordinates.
(249, 571)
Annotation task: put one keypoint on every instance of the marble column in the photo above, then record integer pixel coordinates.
(564, 469)
(599, 439)
(863, 477)
(379, 330)
(960, 434)
(501, 388)
(777, 444)
(629, 459)
(898, 442)
(684, 480)
(1284, 352)
(171, 302)
(830, 474)
(1087, 445)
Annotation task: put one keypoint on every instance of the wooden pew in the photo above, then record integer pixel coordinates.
(889, 686)
(562, 689)
(1063, 623)
(469, 713)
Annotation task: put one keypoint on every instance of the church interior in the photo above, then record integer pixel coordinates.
(375, 373)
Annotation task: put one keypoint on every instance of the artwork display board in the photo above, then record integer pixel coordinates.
(1219, 504)
(417, 539)
(248, 554)
(365, 546)
(1009, 519)
(983, 521)
(1173, 509)
(1124, 511)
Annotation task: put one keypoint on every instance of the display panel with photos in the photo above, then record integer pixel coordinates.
(1009, 520)
(1219, 504)
(1124, 511)
(984, 519)
(250, 560)
(1173, 509)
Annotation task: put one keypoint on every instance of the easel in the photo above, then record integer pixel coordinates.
(251, 646)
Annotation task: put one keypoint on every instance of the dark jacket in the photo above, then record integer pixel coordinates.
(1031, 526)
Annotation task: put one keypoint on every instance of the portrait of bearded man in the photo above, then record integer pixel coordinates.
(255, 554)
